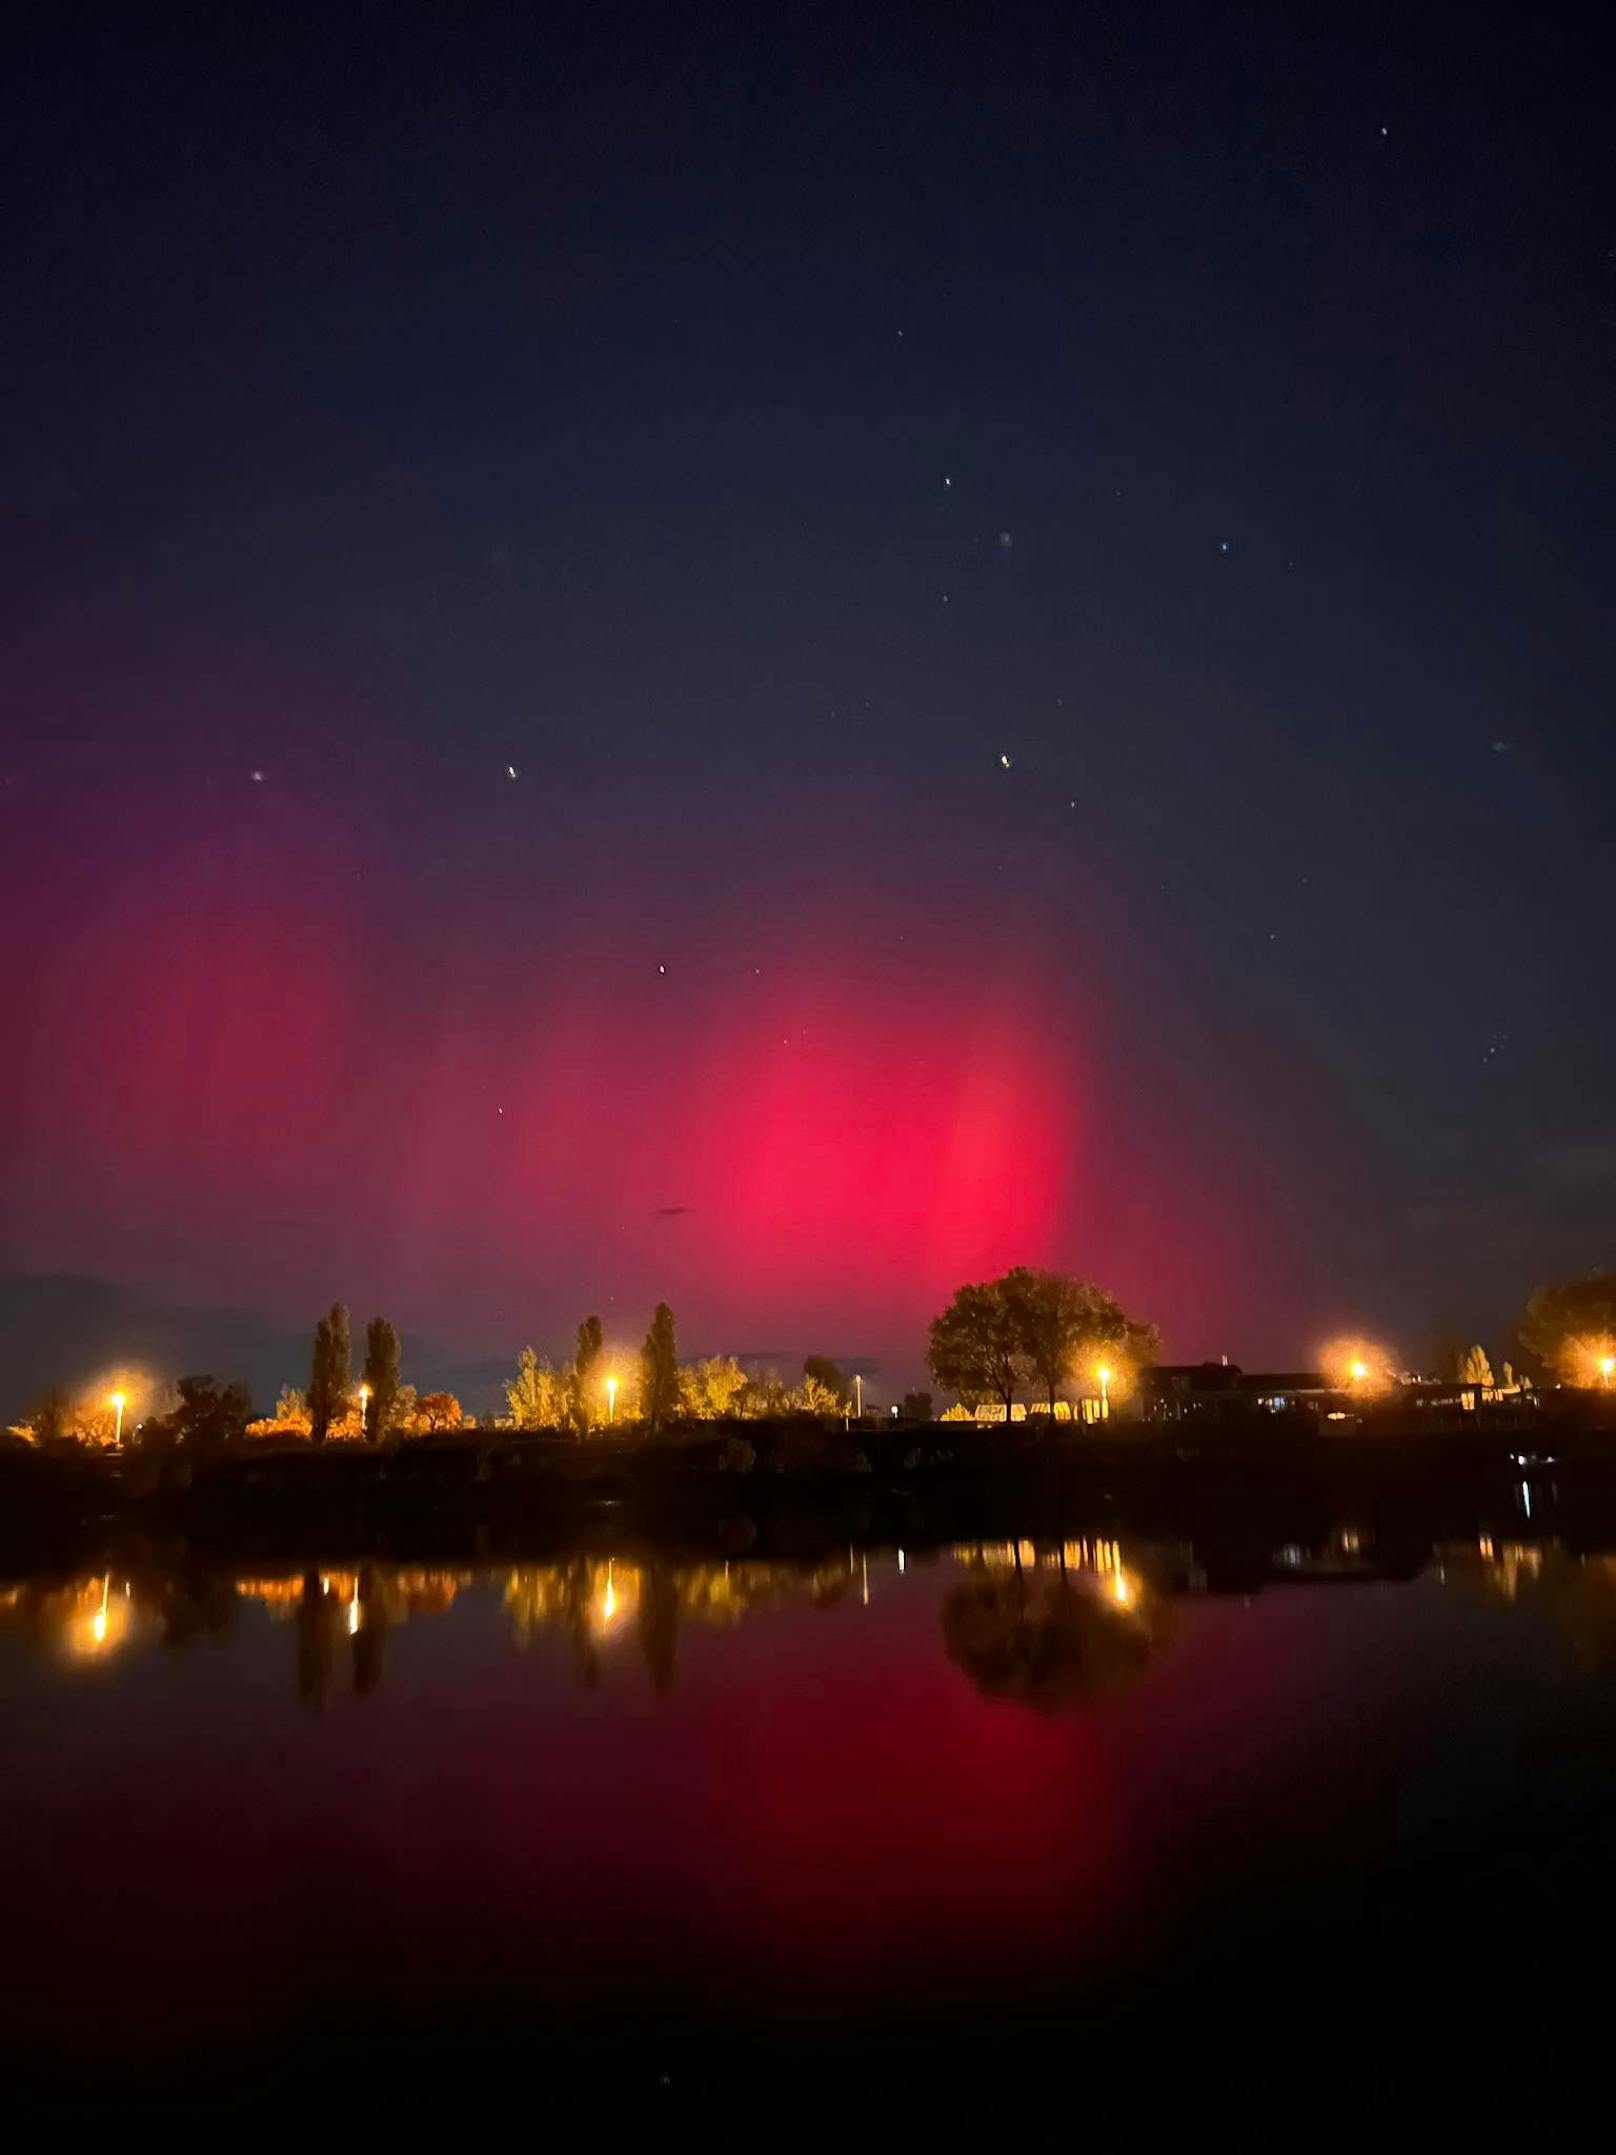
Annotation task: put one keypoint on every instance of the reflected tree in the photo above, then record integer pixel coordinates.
(1049, 1639)
(318, 1620)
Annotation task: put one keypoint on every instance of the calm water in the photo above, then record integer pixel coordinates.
(994, 1821)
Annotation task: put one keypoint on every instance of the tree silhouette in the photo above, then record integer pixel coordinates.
(1570, 1326)
(976, 1346)
(827, 1373)
(659, 1370)
(328, 1372)
(581, 1385)
(656, 1621)
(380, 1376)
(209, 1416)
(1066, 1325)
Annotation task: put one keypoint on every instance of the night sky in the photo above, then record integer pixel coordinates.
(782, 664)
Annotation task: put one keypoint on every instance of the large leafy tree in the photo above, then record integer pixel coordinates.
(713, 1389)
(380, 1376)
(328, 1372)
(1569, 1327)
(208, 1416)
(659, 1370)
(976, 1346)
(1066, 1326)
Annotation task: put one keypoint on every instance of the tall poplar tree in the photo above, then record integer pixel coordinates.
(328, 1371)
(659, 1370)
(380, 1377)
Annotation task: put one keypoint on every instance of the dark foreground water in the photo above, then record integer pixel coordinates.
(1046, 1831)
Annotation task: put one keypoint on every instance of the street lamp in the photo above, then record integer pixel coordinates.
(611, 1400)
(858, 1399)
(1360, 1372)
(1104, 1375)
(364, 1402)
(117, 1403)
(1607, 1369)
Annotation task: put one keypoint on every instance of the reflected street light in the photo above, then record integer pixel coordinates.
(117, 1403)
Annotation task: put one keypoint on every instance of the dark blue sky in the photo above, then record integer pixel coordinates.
(752, 431)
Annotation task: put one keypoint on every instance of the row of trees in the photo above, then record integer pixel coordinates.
(653, 1387)
(1029, 1332)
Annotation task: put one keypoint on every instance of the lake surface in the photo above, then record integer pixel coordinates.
(1045, 1824)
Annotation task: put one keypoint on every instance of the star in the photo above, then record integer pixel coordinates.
(662, 968)
(511, 770)
(1223, 546)
(257, 777)
(1005, 761)
(1006, 541)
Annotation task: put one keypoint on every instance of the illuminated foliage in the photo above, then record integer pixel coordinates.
(813, 1397)
(1459, 1364)
(436, 1412)
(539, 1395)
(1068, 1329)
(1569, 1329)
(713, 1389)
(583, 1385)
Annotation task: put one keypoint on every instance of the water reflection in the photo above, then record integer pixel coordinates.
(1043, 1623)
(1052, 1629)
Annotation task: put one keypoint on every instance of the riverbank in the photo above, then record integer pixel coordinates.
(1236, 1491)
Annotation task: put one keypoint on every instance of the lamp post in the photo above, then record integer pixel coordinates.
(1607, 1369)
(611, 1400)
(858, 1399)
(1104, 1375)
(364, 1402)
(117, 1403)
